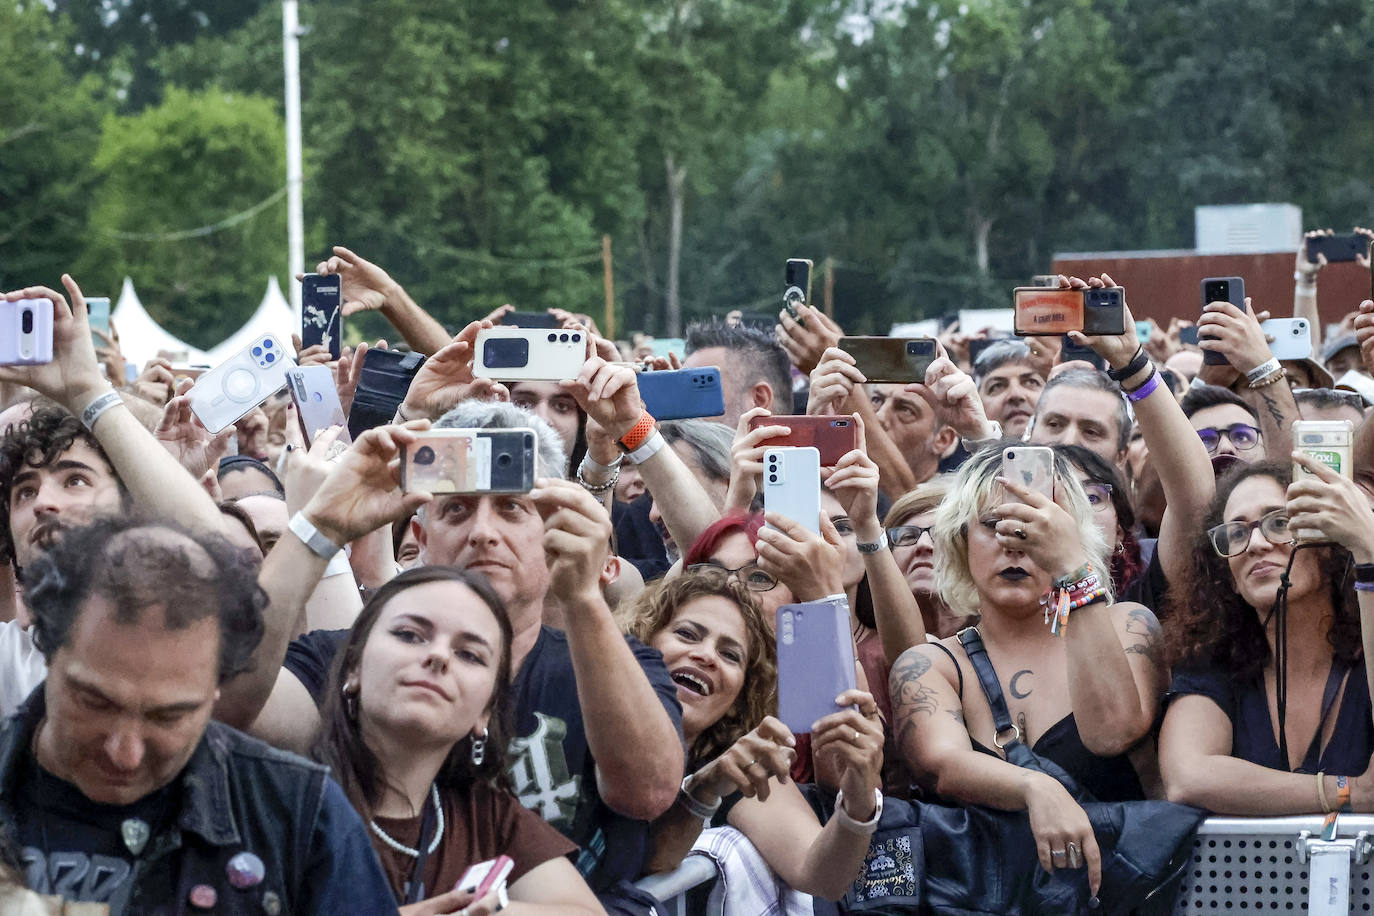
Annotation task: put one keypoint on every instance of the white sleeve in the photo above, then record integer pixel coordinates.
(22, 667)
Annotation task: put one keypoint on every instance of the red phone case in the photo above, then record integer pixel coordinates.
(831, 436)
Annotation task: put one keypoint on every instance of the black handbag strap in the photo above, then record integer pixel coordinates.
(972, 641)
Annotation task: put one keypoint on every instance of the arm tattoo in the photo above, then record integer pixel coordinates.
(1142, 625)
(1275, 413)
(909, 697)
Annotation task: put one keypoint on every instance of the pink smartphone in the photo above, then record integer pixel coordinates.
(481, 878)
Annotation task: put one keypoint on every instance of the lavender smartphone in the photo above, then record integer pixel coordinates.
(25, 332)
(815, 661)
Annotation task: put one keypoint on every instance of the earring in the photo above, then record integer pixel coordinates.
(479, 748)
(350, 700)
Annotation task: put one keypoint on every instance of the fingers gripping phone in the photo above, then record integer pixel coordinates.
(815, 661)
(1221, 289)
(797, 283)
(1327, 442)
(1337, 247)
(225, 394)
(484, 877)
(894, 360)
(317, 402)
(833, 437)
(25, 332)
(792, 485)
(322, 312)
(682, 394)
(1031, 466)
(529, 355)
(469, 461)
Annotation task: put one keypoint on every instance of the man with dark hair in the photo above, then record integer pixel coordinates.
(1227, 425)
(1329, 404)
(754, 368)
(1008, 384)
(119, 787)
(1083, 407)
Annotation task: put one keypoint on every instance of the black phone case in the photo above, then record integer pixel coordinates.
(382, 386)
(1337, 248)
(1104, 312)
(1235, 294)
(530, 320)
(1070, 352)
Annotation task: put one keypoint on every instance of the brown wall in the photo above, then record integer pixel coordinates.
(1169, 285)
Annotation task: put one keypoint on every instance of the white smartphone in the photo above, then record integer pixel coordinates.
(222, 396)
(317, 403)
(25, 332)
(1292, 337)
(529, 354)
(1327, 442)
(792, 484)
(1031, 466)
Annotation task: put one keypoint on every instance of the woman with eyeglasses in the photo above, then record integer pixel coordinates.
(1081, 694)
(1269, 713)
(718, 647)
(1112, 513)
(910, 526)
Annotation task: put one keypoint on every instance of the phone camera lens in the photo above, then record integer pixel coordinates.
(553, 337)
(772, 478)
(270, 357)
(257, 351)
(576, 338)
(503, 461)
(563, 338)
(1011, 456)
(26, 322)
(318, 397)
(267, 344)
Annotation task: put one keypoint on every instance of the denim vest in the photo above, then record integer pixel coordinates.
(241, 795)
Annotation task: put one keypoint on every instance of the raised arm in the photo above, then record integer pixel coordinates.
(366, 287)
(154, 478)
(637, 746)
(929, 728)
(1176, 452)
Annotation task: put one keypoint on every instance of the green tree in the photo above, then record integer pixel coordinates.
(197, 159)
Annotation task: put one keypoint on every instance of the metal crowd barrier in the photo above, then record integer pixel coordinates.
(1239, 865)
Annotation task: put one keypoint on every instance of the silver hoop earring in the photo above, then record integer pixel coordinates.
(479, 748)
(350, 702)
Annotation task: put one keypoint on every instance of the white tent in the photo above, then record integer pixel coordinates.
(274, 316)
(141, 338)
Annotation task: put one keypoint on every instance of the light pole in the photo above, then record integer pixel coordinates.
(295, 234)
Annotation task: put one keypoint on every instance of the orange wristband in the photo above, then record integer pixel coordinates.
(643, 428)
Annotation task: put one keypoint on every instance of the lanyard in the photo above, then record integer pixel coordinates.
(415, 887)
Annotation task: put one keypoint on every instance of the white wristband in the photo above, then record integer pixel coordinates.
(594, 465)
(320, 545)
(1266, 368)
(651, 447)
(864, 828)
(96, 409)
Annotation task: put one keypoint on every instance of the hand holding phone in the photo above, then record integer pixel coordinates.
(228, 392)
(1220, 289)
(322, 312)
(815, 661)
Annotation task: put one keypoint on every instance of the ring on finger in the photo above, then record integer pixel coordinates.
(1058, 854)
(1075, 856)
(1019, 533)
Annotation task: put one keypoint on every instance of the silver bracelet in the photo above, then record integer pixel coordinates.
(598, 487)
(94, 410)
(1263, 370)
(595, 465)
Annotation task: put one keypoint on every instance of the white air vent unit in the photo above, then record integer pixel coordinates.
(1247, 228)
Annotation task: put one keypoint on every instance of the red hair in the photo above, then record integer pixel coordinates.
(747, 523)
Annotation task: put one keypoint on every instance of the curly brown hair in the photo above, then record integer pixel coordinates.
(1211, 625)
(653, 611)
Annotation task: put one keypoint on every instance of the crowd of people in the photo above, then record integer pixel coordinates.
(247, 673)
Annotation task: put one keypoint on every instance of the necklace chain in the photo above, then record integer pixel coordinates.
(403, 848)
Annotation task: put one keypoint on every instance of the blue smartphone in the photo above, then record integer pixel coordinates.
(682, 394)
(322, 312)
(98, 308)
(815, 661)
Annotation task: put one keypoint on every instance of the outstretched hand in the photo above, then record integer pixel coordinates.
(362, 490)
(74, 377)
(186, 438)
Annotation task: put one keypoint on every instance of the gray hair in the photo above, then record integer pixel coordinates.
(709, 441)
(1093, 380)
(549, 458)
(998, 354)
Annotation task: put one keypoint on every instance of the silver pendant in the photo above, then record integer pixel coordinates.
(135, 833)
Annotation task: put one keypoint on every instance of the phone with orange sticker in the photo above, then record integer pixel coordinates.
(1043, 312)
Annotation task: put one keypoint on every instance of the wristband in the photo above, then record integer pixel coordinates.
(593, 465)
(649, 448)
(1271, 379)
(1364, 572)
(1263, 370)
(338, 565)
(1136, 395)
(598, 487)
(1321, 792)
(684, 797)
(94, 410)
(1364, 586)
(973, 445)
(319, 545)
(1309, 279)
(1138, 362)
(878, 545)
(641, 431)
(1343, 794)
(1069, 580)
(864, 828)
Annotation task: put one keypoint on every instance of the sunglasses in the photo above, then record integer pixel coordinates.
(909, 535)
(1230, 539)
(1243, 436)
(749, 575)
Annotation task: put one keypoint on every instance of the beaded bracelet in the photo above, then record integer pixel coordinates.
(1270, 379)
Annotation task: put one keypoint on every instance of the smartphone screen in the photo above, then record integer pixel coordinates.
(321, 312)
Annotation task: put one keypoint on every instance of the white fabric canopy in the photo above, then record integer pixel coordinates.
(274, 316)
(141, 338)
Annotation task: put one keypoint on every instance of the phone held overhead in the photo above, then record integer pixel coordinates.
(25, 332)
(322, 312)
(226, 394)
(529, 355)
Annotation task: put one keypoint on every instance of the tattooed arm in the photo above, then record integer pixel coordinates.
(1277, 410)
(1116, 674)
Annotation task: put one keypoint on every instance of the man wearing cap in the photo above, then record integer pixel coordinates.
(1341, 355)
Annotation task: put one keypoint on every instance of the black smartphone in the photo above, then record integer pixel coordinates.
(322, 312)
(798, 274)
(758, 320)
(1222, 289)
(529, 320)
(1071, 352)
(382, 385)
(1188, 335)
(1337, 247)
(1104, 312)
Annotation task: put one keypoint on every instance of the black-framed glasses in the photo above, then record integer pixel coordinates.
(1242, 435)
(1099, 495)
(1230, 539)
(749, 575)
(909, 535)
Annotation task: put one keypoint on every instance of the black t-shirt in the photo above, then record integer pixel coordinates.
(551, 767)
(74, 848)
(638, 540)
(1150, 588)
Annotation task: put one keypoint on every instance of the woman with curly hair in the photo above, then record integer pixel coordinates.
(414, 727)
(1269, 712)
(719, 650)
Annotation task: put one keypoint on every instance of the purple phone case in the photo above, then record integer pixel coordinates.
(815, 661)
